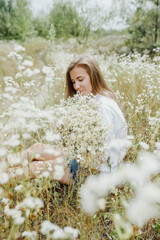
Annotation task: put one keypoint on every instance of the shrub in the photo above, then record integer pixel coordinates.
(16, 20)
(67, 22)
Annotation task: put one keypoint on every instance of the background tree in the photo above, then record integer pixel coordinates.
(42, 25)
(67, 22)
(15, 20)
(5, 15)
(144, 26)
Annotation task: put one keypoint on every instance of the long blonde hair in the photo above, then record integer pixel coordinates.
(97, 80)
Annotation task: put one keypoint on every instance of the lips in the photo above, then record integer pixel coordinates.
(80, 91)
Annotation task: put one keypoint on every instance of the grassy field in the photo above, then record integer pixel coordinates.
(32, 81)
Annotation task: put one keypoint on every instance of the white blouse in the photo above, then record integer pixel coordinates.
(117, 132)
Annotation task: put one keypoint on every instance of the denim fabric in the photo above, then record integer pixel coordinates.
(76, 172)
(74, 167)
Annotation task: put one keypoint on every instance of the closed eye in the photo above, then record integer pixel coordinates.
(78, 80)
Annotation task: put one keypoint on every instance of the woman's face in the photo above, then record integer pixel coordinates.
(81, 80)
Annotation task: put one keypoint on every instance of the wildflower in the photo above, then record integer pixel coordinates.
(50, 137)
(58, 172)
(8, 97)
(3, 166)
(101, 203)
(133, 174)
(24, 162)
(13, 159)
(21, 68)
(15, 214)
(130, 137)
(8, 79)
(124, 229)
(14, 54)
(4, 178)
(28, 73)
(88, 200)
(47, 227)
(5, 200)
(31, 235)
(19, 171)
(11, 90)
(19, 48)
(19, 220)
(157, 145)
(58, 234)
(59, 160)
(71, 233)
(26, 136)
(148, 163)
(18, 187)
(139, 212)
(18, 75)
(152, 121)
(39, 203)
(27, 63)
(29, 202)
(3, 152)
(48, 70)
(119, 144)
(32, 203)
(36, 71)
(150, 192)
(45, 174)
(13, 141)
(144, 145)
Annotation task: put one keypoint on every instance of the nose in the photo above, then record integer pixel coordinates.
(76, 85)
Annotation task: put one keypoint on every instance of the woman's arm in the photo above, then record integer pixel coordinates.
(42, 158)
(56, 170)
(37, 168)
(40, 151)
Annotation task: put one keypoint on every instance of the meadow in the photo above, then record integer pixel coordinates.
(121, 205)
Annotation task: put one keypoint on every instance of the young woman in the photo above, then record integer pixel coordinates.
(84, 75)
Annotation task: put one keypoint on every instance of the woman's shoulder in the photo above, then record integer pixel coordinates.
(109, 108)
(107, 102)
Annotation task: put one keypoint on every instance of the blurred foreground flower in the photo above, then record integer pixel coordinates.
(29, 235)
(67, 233)
(143, 206)
(4, 178)
(124, 229)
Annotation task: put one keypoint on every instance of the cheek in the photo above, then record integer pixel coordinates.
(73, 85)
(90, 85)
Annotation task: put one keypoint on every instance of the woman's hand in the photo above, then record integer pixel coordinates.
(41, 152)
(44, 160)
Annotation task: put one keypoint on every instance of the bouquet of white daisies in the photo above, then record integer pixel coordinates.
(82, 132)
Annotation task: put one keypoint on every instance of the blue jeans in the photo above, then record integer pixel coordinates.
(74, 168)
